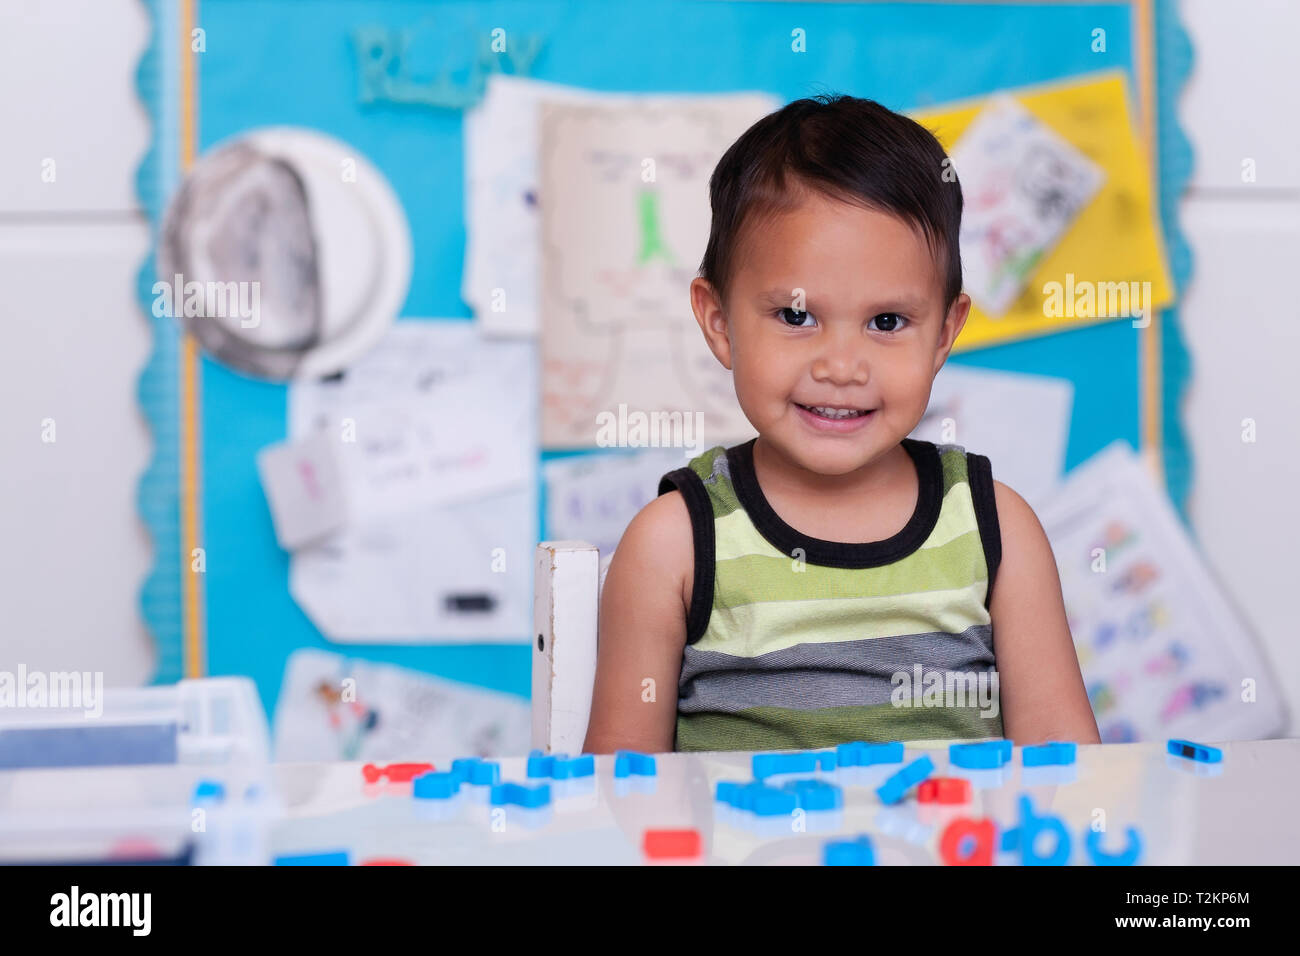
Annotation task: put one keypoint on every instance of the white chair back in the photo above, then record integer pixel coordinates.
(566, 597)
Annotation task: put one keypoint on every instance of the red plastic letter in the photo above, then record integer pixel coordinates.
(671, 844)
(982, 832)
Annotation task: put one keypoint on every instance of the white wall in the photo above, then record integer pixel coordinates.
(1240, 316)
(73, 553)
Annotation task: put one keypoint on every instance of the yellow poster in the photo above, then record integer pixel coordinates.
(1110, 262)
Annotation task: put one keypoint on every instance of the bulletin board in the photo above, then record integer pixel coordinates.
(286, 62)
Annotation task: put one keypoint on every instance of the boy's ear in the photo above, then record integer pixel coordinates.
(953, 323)
(707, 306)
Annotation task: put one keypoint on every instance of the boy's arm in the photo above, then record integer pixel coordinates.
(1041, 687)
(642, 632)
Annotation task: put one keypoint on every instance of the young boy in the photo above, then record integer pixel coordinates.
(802, 589)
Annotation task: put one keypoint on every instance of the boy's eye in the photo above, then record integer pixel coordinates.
(796, 318)
(889, 321)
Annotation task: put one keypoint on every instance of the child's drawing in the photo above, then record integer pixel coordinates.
(625, 219)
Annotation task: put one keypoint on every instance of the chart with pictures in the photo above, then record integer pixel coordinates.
(1163, 653)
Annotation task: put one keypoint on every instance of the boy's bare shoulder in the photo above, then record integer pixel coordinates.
(664, 525)
(1028, 564)
(659, 542)
(1016, 519)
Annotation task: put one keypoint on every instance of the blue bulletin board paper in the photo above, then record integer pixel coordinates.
(286, 62)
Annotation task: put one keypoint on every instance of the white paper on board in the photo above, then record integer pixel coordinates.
(336, 708)
(304, 490)
(594, 497)
(1020, 422)
(437, 433)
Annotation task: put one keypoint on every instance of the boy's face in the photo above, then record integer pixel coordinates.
(871, 336)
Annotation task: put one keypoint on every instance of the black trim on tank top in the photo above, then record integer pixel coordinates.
(986, 514)
(839, 554)
(700, 509)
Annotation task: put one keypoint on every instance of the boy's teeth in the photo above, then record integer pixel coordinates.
(835, 412)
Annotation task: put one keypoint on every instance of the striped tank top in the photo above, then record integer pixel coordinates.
(795, 642)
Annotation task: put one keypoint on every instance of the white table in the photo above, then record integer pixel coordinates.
(1238, 812)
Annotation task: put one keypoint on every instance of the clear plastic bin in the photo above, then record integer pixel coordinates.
(162, 774)
(214, 720)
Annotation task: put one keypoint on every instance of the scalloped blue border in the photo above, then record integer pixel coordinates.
(157, 390)
(1173, 64)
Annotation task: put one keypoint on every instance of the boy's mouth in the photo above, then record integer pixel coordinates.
(835, 419)
(836, 413)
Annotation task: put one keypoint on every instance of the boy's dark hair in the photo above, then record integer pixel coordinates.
(850, 149)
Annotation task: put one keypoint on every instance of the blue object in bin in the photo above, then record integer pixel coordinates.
(1010, 840)
(816, 794)
(849, 853)
(861, 754)
(1054, 753)
(560, 766)
(767, 801)
(480, 773)
(629, 762)
(1201, 753)
(984, 755)
(758, 798)
(1129, 856)
(893, 789)
(1031, 827)
(435, 785)
(540, 764)
(767, 764)
(583, 765)
(326, 858)
(213, 790)
(521, 795)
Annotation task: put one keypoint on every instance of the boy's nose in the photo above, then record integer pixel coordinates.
(842, 366)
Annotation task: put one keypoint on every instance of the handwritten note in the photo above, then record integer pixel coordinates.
(431, 416)
(436, 432)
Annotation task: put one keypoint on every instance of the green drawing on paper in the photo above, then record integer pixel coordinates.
(652, 240)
